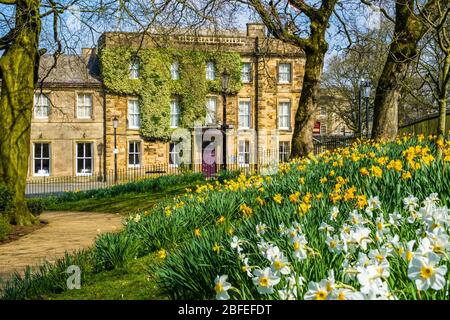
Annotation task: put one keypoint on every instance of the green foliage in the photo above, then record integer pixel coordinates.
(156, 89)
(36, 206)
(147, 185)
(48, 278)
(114, 251)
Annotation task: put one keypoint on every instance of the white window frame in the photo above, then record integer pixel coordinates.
(41, 159)
(210, 71)
(246, 73)
(284, 119)
(85, 106)
(323, 129)
(176, 153)
(41, 102)
(134, 69)
(134, 114)
(132, 155)
(282, 73)
(175, 113)
(285, 152)
(244, 115)
(84, 158)
(243, 150)
(211, 113)
(175, 70)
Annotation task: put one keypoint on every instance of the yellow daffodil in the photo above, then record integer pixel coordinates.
(278, 198)
(303, 208)
(406, 175)
(323, 180)
(216, 248)
(162, 254)
(294, 197)
(220, 220)
(246, 210)
(364, 171)
(361, 201)
(376, 171)
(197, 232)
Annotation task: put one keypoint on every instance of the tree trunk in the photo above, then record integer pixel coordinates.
(19, 67)
(302, 142)
(409, 29)
(443, 96)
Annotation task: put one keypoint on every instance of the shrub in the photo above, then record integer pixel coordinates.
(5, 228)
(114, 251)
(36, 206)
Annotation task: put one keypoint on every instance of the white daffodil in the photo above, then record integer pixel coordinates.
(370, 279)
(431, 201)
(273, 252)
(408, 251)
(263, 246)
(334, 213)
(287, 294)
(360, 236)
(137, 218)
(438, 219)
(395, 219)
(426, 273)
(246, 267)
(326, 227)
(265, 280)
(440, 243)
(379, 256)
(334, 244)
(378, 290)
(280, 264)
(345, 294)
(282, 229)
(380, 225)
(299, 244)
(410, 203)
(221, 287)
(236, 244)
(261, 229)
(317, 290)
(356, 219)
(373, 204)
(425, 247)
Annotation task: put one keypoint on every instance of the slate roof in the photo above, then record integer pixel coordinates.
(71, 70)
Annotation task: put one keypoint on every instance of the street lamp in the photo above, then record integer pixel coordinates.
(366, 93)
(224, 127)
(116, 151)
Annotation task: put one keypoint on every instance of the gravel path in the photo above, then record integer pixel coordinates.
(65, 231)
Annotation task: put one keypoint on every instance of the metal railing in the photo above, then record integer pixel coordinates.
(329, 143)
(52, 185)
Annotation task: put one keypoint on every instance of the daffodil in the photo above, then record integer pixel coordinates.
(261, 229)
(197, 232)
(426, 273)
(221, 287)
(162, 254)
(317, 290)
(216, 248)
(278, 198)
(265, 280)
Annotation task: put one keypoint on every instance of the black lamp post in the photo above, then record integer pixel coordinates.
(359, 107)
(115, 126)
(366, 91)
(225, 80)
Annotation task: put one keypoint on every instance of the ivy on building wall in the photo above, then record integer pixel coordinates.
(156, 89)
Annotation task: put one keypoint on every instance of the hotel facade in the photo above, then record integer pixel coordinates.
(73, 123)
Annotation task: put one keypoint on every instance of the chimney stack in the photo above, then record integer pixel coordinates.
(256, 30)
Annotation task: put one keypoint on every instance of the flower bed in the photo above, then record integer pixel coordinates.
(366, 222)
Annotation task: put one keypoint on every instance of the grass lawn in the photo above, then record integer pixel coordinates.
(124, 203)
(131, 283)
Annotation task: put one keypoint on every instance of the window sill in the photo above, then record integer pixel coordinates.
(41, 175)
(174, 165)
(84, 174)
(136, 166)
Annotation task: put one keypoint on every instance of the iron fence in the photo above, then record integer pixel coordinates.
(266, 163)
(330, 143)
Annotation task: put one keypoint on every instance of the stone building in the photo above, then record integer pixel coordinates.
(261, 114)
(72, 127)
(67, 129)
